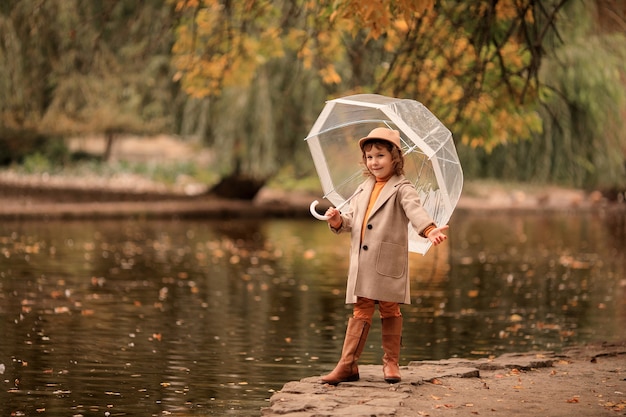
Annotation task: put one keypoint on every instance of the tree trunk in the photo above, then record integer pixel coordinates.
(109, 146)
(238, 186)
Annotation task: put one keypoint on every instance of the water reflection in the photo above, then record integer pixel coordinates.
(209, 318)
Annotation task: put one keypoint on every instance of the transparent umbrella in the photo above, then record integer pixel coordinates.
(431, 160)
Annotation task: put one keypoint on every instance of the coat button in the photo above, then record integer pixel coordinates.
(364, 247)
(369, 226)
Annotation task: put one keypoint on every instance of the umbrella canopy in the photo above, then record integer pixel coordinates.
(431, 162)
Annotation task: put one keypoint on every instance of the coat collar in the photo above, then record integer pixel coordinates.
(390, 188)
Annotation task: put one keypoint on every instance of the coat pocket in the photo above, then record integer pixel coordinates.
(391, 260)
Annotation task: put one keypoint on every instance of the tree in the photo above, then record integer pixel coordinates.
(80, 68)
(475, 64)
(583, 100)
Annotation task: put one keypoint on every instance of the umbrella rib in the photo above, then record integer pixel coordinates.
(340, 206)
(358, 122)
(414, 147)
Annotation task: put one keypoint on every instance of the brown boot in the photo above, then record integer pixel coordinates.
(347, 369)
(392, 340)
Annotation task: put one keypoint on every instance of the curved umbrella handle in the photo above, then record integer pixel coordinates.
(315, 213)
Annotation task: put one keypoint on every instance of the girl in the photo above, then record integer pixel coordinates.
(378, 274)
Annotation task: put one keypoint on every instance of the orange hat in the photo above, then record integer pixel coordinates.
(382, 133)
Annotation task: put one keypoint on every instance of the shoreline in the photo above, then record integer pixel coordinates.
(27, 199)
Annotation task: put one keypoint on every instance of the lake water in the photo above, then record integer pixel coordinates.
(188, 318)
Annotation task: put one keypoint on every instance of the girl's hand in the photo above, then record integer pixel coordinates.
(436, 235)
(334, 218)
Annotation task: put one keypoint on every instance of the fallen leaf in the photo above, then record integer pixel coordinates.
(434, 397)
(573, 400)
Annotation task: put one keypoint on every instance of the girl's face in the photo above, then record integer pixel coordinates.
(379, 161)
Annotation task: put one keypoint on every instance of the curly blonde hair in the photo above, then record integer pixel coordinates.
(397, 159)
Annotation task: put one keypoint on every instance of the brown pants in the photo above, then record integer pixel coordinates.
(364, 309)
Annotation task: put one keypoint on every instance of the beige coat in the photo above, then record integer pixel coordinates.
(379, 264)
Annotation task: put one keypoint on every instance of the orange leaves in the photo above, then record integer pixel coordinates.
(182, 4)
(380, 18)
(329, 75)
(218, 47)
(506, 10)
(462, 59)
(618, 406)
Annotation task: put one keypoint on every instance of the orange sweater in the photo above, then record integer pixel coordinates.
(373, 197)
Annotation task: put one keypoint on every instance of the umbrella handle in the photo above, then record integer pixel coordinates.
(315, 213)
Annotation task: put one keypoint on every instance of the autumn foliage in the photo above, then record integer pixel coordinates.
(473, 63)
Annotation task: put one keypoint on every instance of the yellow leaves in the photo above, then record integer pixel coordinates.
(461, 46)
(186, 4)
(445, 89)
(425, 54)
(295, 38)
(401, 25)
(513, 55)
(379, 18)
(216, 48)
(494, 121)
